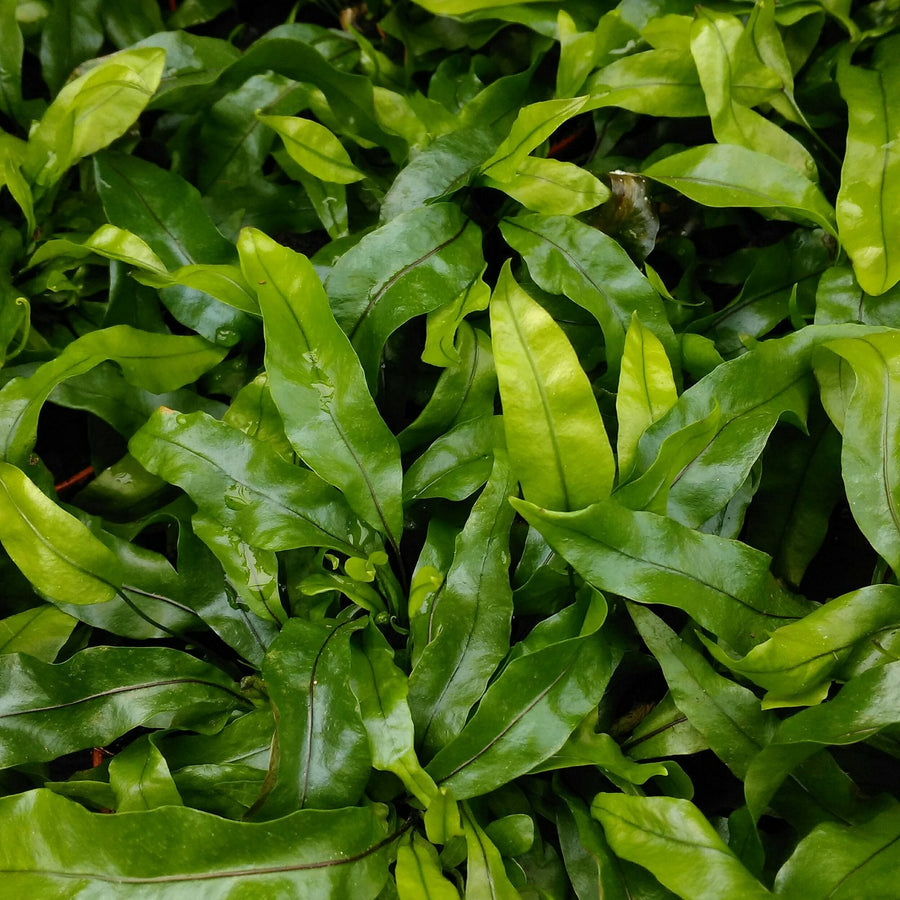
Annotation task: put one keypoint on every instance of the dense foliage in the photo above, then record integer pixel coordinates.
(450, 448)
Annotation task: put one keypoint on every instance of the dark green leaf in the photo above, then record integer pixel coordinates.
(415, 263)
(321, 757)
(465, 629)
(103, 692)
(245, 485)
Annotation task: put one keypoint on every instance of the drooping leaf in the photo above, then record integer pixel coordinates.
(315, 148)
(165, 852)
(725, 175)
(799, 660)
(318, 384)
(550, 416)
(156, 362)
(869, 420)
(723, 585)
(101, 693)
(862, 708)
(54, 550)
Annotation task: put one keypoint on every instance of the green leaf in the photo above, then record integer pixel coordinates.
(656, 82)
(73, 34)
(673, 839)
(464, 634)
(381, 690)
(315, 148)
(157, 362)
(418, 872)
(870, 422)
(444, 166)
(464, 391)
(533, 125)
(92, 111)
(246, 486)
(664, 731)
(167, 213)
(552, 187)
(726, 714)
(752, 392)
(725, 75)
(12, 47)
(442, 324)
(350, 97)
(415, 263)
(321, 756)
(863, 707)
(317, 383)
(870, 176)
(550, 416)
(486, 878)
(725, 175)
(841, 862)
(801, 658)
(723, 585)
(140, 778)
(456, 464)
(53, 549)
(40, 632)
(165, 852)
(565, 256)
(646, 390)
(529, 711)
(101, 693)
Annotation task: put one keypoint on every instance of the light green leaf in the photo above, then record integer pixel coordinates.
(566, 256)
(486, 878)
(316, 854)
(533, 125)
(802, 657)
(140, 778)
(550, 415)
(55, 551)
(418, 872)
(381, 690)
(673, 839)
(845, 862)
(646, 390)
(725, 175)
(315, 148)
(552, 187)
(40, 632)
(870, 177)
(92, 111)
